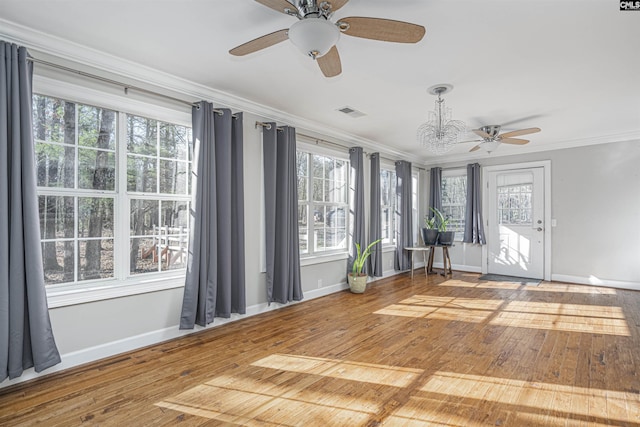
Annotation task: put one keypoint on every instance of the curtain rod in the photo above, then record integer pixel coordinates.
(323, 141)
(117, 83)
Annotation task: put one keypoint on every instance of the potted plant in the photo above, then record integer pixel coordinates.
(357, 279)
(429, 231)
(444, 237)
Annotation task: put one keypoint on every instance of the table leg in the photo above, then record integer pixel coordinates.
(424, 259)
(412, 253)
(430, 263)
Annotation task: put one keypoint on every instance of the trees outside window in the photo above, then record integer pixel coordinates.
(388, 205)
(82, 188)
(454, 199)
(323, 207)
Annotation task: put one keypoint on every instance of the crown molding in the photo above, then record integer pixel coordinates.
(40, 43)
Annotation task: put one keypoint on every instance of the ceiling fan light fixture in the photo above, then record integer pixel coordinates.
(314, 36)
(489, 146)
(440, 133)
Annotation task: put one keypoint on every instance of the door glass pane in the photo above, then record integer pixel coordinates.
(514, 204)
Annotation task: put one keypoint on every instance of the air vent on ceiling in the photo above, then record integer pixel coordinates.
(351, 112)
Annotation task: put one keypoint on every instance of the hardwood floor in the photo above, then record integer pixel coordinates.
(421, 352)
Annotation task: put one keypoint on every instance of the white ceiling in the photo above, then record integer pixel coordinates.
(570, 67)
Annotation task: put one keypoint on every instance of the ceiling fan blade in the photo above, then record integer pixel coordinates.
(329, 63)
(476, 148)
(279, 5)
(519, 132)
(381, 29)
(515, 141)
(337, 4)
(481, 133)
(260, 43)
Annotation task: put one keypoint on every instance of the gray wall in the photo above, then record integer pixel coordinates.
(595, 199)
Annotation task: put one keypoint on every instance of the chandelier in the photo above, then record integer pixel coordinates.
(439, 134)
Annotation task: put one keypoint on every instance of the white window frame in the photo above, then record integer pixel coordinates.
(76, 90)
(312, 257)
(415, 203)
(391, 242)
(456, 173)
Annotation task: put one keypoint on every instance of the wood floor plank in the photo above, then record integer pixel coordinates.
(451, 351)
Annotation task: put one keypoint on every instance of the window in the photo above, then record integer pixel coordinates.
(93, 165)
(514, 204)
(323, 207)
(454, 198)
(388, 205)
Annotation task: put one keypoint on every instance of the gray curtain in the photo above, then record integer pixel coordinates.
(281, 214)
(375, 225)
(473, 227)
(26, 337)
(404, 233)
(435, 190)
(215, 280)
(357, 191)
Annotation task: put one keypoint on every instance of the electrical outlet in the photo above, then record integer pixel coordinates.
(319, 283)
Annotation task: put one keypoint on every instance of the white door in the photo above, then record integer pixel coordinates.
(515, 223)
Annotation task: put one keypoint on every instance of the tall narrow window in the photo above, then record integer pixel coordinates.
(454, 197)
(76, 170)
(388, 205)
(158, 166)
(323, 206)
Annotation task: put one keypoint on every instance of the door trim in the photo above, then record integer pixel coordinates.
(546, 167)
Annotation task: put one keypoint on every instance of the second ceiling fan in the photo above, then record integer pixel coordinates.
(491, 137)
(316, 35)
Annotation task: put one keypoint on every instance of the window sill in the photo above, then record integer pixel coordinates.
(98, 291)
(321, 259)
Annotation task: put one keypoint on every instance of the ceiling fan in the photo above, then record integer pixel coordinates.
(491, 137)
(316, 35)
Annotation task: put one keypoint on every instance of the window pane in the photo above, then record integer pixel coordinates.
(96, 169)
(173, 177)
(96, 127)
(95, 217)
(141, 174)
(60, 268)
(174, 141)
(56, 217)
(454, 196)
(53, 120)
(144, 217)
(142, 134)
(175, 215)
(303, 228)
(95, 259)
(144, 255)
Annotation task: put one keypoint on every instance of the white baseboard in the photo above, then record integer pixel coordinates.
(92, 354)
(593, 281)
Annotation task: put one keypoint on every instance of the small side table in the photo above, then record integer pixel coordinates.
(424, 250)
(446, 261)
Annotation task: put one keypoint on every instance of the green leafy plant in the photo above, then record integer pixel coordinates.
(429, 223)
(361, 257)
(442, 221)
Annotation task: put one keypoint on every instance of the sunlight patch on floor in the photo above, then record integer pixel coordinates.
(285, 387)
(443, 308)
(531, 403)
(563, 317)
(394, 376)
(250, 408)
(576, 289)
(484, 285)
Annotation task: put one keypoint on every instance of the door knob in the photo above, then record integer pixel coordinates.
(539, 229)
